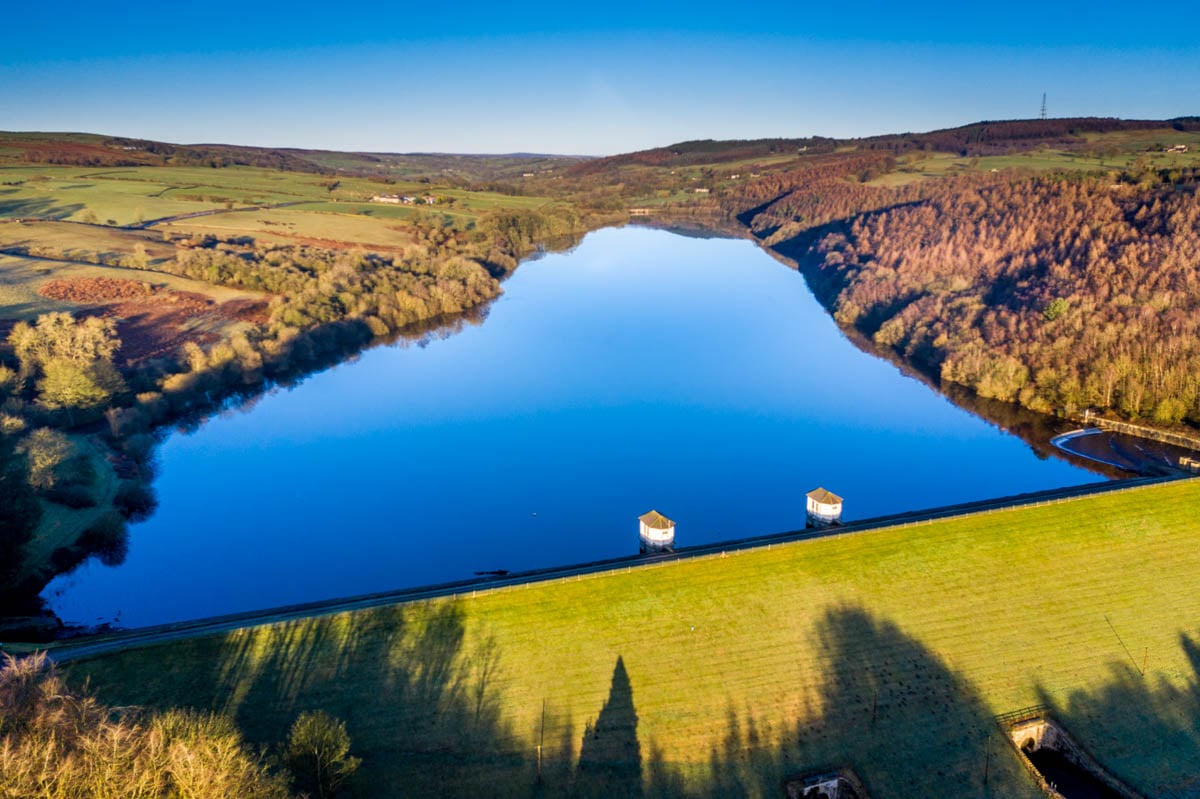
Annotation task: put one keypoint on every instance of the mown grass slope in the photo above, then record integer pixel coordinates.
(889, 651)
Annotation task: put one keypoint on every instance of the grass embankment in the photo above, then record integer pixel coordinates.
(888, 651)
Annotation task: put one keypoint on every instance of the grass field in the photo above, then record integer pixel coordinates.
(293, 225)
(336, 208)
(888, 651)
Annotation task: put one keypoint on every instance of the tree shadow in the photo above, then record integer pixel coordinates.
(901, 718)
(1145, 731)
(610, 758)
(427, 701)
(889, 709)
(419, 696)
(40, 207)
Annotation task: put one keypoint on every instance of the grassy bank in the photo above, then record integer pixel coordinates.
(888, 651)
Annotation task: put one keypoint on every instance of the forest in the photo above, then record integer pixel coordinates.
(1060, 294)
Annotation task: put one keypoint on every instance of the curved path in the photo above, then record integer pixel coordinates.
(92, 645)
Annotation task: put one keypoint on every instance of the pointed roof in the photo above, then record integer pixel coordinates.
(655, 520)
(823, 496)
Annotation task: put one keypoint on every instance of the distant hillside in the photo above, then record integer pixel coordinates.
(979, 138)
(1000, 137)
(87, 149)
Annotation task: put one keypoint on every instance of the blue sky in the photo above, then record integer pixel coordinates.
(547, 77)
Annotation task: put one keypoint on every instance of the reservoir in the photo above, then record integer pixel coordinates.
(642, 370)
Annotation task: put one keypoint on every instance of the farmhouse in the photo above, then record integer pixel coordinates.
(657, 532)
(823, 508)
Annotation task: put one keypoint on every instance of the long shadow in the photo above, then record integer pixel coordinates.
(610, 758)
(900, 717)
(41, 208)
(425, 699)
(1145, 731)
(419, 696)
(889, 709)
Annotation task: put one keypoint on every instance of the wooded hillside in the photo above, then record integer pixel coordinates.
(1055, 293)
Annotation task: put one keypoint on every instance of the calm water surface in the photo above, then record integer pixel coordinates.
(643, 370)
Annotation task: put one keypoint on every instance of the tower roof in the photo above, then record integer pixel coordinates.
(655, 520)
(824, 497)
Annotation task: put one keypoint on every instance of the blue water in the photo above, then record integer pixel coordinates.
(642, 370)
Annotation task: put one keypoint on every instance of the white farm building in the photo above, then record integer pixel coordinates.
(657, 532)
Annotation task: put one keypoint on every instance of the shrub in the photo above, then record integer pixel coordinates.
(46, 449)
(318, 753)
(58, 742)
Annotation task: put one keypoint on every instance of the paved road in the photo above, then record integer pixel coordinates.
(89, 646)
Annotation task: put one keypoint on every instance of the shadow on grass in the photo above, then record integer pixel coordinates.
(889, 709)
(428, 707)
(40, 208)
(1145, 731)
(419, 701)
(610, 758)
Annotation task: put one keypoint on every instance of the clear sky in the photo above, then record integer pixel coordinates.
(549, 77)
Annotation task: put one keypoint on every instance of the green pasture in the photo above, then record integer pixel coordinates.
(409, 214)
(131, 195)
(82, 242)
(888, 651)
(89, 199)
(128, 195)
(378, 227)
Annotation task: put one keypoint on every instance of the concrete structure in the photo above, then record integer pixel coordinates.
(386, 198)
(657, 532)
(1033, 731)
(823, 508)
(840, 784)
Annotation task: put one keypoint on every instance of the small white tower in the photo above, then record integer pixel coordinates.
(657, 532)
(824, 508)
